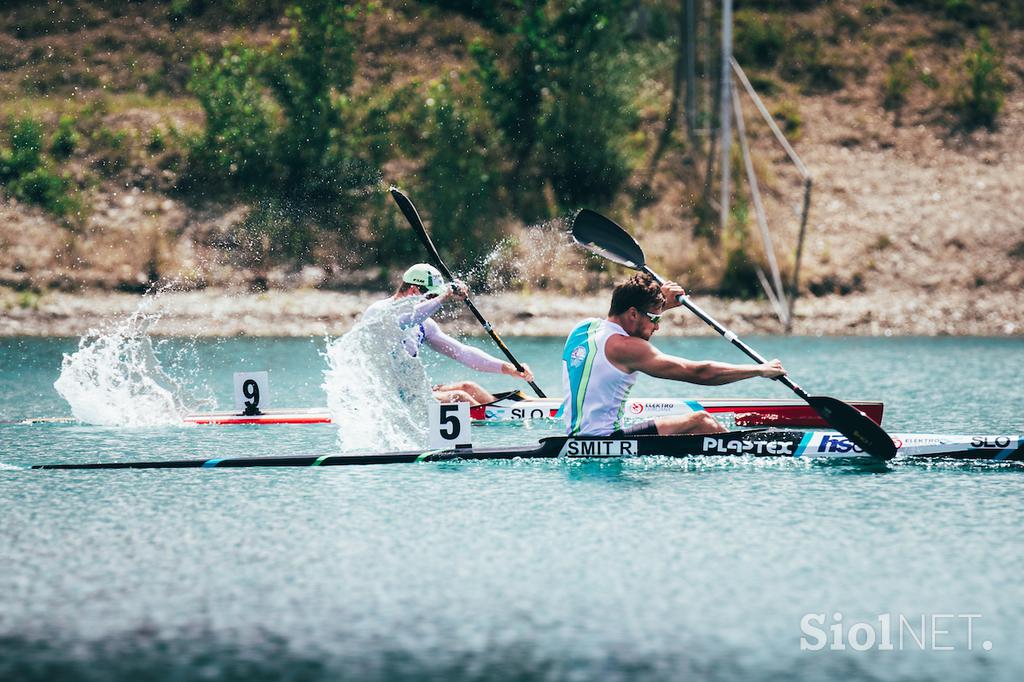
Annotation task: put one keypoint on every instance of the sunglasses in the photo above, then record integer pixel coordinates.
(655, 319)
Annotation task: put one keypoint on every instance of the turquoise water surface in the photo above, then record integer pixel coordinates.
(644, 569)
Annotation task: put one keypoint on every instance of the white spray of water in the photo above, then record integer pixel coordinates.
(377, 393)
(531, 257)
(115, 378)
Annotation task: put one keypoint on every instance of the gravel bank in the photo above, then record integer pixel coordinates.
(317, 313)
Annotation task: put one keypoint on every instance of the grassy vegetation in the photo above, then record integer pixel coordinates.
(739, 276)
(898, 80)
(787, 115)
(760, 38)
(982, 92)
(28, 175)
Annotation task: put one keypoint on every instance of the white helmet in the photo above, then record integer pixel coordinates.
(426, 276)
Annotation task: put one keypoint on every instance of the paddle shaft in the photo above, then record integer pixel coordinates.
(729, 336)
(494, 335)
(410, 213)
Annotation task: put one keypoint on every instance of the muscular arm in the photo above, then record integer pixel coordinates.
(631, 354)
(471, 357)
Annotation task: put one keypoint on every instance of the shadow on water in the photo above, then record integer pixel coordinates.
(155, 656)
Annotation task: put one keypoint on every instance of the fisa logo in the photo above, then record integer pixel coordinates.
(892, 632)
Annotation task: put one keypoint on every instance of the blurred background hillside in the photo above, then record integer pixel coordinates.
(248, 143)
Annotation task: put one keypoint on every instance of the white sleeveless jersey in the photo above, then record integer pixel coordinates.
(595, 390)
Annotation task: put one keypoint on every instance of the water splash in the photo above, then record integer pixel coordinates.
(530, 258)
(116, 379)
(377, 393)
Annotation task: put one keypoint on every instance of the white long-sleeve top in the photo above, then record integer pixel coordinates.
(423, 330)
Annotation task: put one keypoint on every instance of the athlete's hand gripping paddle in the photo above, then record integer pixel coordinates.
(410, 213)
(604, 237)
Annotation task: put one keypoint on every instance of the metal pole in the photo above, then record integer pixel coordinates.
(707, 69)
(778, 295)
(794, 287)
(726, 117)
(691, 72)
(756, 99)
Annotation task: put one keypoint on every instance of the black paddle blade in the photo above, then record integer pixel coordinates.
(408, 210)
(855, 425)
(413, 217)
(594, 232)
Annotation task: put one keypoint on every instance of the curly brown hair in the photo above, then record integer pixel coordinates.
(640, 291)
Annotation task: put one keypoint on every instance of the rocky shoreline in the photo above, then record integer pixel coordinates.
(303, 313)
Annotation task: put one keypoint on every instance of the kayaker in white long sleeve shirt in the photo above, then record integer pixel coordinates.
(425, 281)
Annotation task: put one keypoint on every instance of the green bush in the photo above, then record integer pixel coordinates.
(794, 5)
(65, 140)
(739, 278)
(25, 173)
(236, 145)
(560, 98)
(279, 121)
(392, 124)
(898, 80)
(809, 63)
(46, 189)
(25, 153)
(235, 10)
(29, 299)
(759, 39)
(487, 12)
(179, 10)
(875, 9)
(156, 143)
(965, 11)
(513, 95)
(787, 115)
(459, 178)
(982, 93)
(583, 157)
(308, 75)
(763, 83)
(105, 138)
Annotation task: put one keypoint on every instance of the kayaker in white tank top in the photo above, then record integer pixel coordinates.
(585, 365)
(601, 360)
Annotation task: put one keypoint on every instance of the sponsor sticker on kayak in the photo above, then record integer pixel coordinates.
(718, 445)
(835, 444)
(599, 448)
(987, 442)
